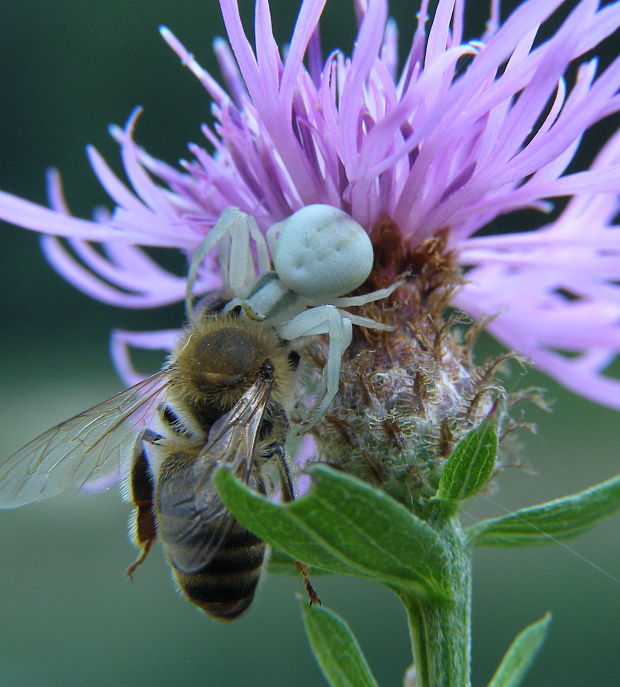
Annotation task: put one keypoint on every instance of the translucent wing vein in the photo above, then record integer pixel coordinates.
(84, 448)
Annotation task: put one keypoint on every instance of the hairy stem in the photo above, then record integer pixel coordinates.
(441, 629)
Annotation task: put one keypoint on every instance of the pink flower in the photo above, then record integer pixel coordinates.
(462, 134)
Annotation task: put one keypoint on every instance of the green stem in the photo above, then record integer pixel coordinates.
(441, 629)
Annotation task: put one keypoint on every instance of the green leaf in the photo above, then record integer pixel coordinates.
(469, 467)
(344, 526)
(559, 519)
(521, 654)
(336, 648)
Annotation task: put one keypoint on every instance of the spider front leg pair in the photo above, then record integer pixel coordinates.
(231, 235)
(319, 254)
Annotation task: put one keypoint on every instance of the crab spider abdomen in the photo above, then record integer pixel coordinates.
(322, 252)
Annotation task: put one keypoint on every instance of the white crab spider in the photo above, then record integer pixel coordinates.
(319, 254)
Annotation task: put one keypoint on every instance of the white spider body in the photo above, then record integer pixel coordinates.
(319, 254)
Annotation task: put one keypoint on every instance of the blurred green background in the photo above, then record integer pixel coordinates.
(67, 615)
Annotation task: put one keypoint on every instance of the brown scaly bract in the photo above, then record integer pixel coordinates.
(406, 397)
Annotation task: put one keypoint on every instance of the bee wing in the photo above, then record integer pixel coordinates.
(202, 522)
(232, 438)
(82, 449)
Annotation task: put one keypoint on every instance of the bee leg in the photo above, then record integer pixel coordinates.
(146, 547)
(144, 528)
(304, 571)
(288, 495)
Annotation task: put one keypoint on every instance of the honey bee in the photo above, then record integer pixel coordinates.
(220, 400)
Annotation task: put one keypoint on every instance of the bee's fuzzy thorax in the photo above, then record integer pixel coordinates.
(219, 358)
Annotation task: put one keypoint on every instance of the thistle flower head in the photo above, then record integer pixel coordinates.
(427, 152)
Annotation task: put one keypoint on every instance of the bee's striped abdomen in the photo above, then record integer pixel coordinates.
(225, 587)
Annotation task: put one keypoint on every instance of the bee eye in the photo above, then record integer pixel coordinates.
(322, 252)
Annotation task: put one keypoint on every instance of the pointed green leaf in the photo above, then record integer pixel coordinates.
(345, 526)
(469, 467)
(521, 654)
(559, 519)
(336, 648)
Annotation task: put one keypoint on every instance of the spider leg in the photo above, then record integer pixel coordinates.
(366, 321)
(324, 319)
(236, 259)
(234, 254)
(352, 301)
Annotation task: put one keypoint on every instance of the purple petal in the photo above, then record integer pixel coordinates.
(121, 340)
